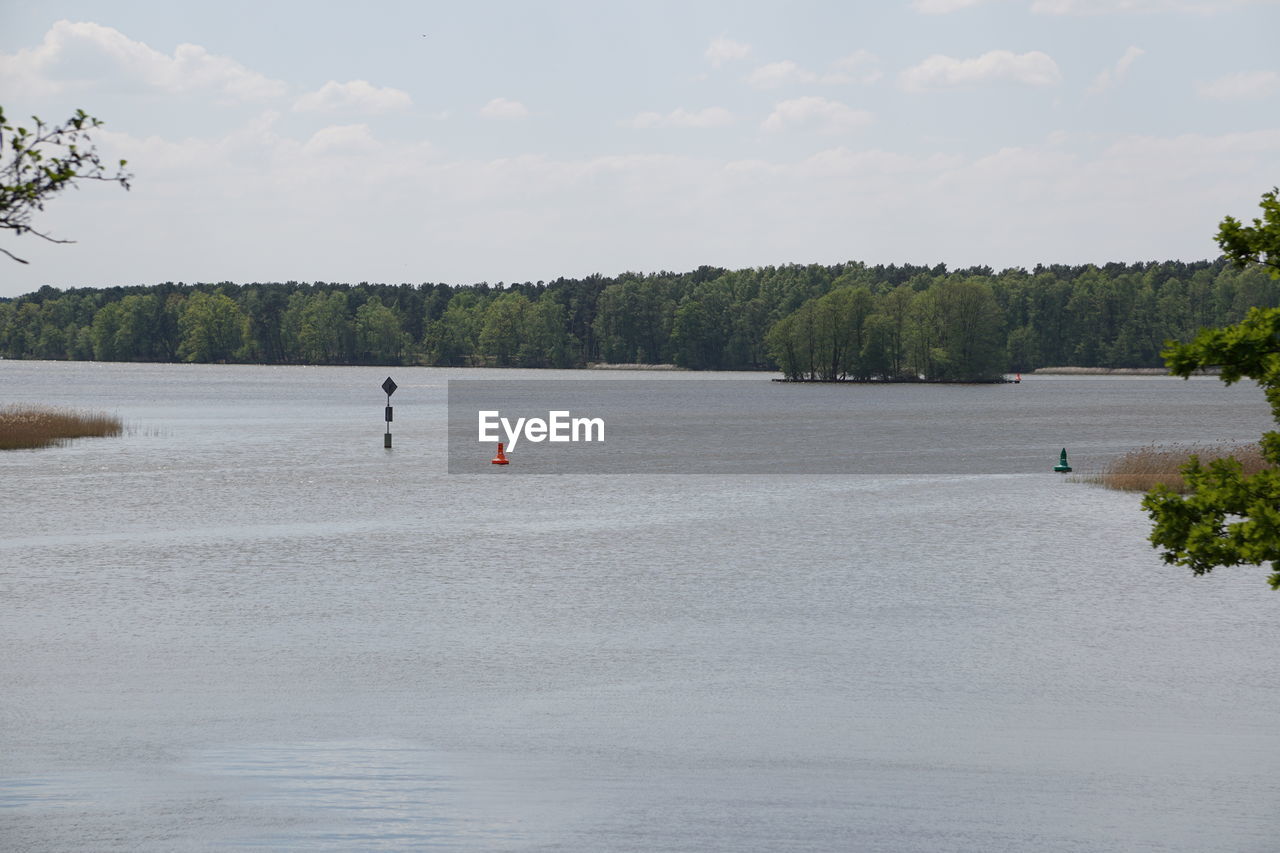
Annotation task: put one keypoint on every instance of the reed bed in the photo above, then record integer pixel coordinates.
(30, 427)
(1141, 469)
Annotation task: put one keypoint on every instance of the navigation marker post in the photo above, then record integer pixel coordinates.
(390, 388)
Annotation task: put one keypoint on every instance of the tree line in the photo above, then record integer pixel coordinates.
(824, 322)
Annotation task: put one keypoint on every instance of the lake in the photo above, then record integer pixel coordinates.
(245, 624)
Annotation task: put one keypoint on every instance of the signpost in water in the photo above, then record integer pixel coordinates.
(390, 388)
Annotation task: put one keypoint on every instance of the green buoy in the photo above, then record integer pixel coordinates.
(1062, 467)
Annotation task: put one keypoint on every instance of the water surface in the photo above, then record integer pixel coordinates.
(247, 625)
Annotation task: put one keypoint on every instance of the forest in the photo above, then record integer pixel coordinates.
(847, 321)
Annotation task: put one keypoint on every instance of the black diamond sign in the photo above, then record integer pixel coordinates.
(389, 387)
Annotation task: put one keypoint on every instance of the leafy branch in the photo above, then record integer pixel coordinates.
(38, 163)
(1257, 243)
(1230, 518)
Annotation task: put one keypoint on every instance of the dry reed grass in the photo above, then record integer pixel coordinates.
(29, 427)
(1141, 469)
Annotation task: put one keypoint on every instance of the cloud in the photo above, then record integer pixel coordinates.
(777, 74)
(708, 117)
(341, 139)
(502, 108)
(1109, 7)
(1093, 7)
(1113, 76)
(1243, 86)
(811, 111)
(857, 67)
(942, 7)
(281, 214)
(1033, 69)
(85, 56)
(722, 50)
(354, 96)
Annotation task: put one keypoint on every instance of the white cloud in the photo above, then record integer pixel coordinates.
(502, 108)
(1033, 69)
(776, 74)
(1243, 86)
(708, 117)
(341, 139)
(1130, 56)
(942, 7)
(281, 213)
(1113, 76)
(354, 96)
(820, 113)
(1093, 7)
(86, 55)
(722, 50)
(1109, 7)
(857, 67)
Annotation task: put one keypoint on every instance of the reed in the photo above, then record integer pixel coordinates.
(1141, 469)
(29, 427)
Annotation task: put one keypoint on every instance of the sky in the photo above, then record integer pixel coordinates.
(523, 141)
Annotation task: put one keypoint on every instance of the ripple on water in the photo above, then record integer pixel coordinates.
(375, 795)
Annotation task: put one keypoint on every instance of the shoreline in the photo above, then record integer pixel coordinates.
(1114, 371)
(908, 381)
(604, 365)
(634, 366)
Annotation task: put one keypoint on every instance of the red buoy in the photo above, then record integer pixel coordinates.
(501, 458)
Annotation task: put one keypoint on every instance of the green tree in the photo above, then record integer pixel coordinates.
(1022, 348)
(970, 331)
(452, 340)
(1229, 518)
(265, 307)
(502, 334)
(545, 342)
(784, 347)
(794, 343)
(212, 328)
(380, 335)
(876, 358)
(142, 327)
(1258, 243)
(633, 320)
(695, 336)
(24, 330)
(844, 318)
(105, 331)
(37, 164)
(896, 307)
(316, 328)
(927, 356)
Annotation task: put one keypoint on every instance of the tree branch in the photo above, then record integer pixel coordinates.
(43, 162)
(43, 236)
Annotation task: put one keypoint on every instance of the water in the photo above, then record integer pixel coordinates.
(246, 625)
